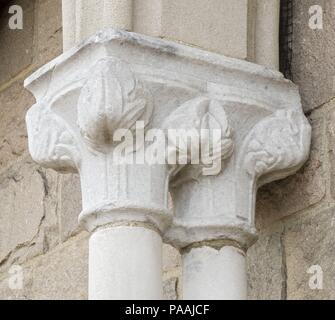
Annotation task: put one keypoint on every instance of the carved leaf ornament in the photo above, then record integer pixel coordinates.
(202, 116)
(111, 99)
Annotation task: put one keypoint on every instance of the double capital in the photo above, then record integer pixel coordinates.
(141, 119)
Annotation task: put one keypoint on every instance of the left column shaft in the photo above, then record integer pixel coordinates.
(125, 262)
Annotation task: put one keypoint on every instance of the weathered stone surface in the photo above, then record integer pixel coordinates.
(331, 146)
(59, 275)
(170, 289)
(69, 205)
(14, 102)
(313, 65)
(62, 274)
(16, 49)
(6, 293)
(300, 191)
(38, 42)
(171, 258)
(309, 240)
(48, 31)
(197, 23)
(28, 222)
(172, 272)
(266, 266)
(42, 27)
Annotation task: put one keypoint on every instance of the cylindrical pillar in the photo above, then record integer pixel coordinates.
(125, 262)
(118, 14)
(267, 33)
(214, 274)
(69, 24)
(82, 18)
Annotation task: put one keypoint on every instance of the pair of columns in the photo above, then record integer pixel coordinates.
(106, 106)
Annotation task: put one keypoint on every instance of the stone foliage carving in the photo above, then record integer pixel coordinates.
(279, 142)
(111, 99)
(199, 117)
(117, 78)
(52, 143)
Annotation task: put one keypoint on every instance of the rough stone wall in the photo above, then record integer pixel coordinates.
(296, 215)
(39, 208)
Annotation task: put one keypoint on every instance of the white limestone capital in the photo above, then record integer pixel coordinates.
(115, 79)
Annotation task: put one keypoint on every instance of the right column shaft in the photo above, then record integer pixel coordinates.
(214, 274)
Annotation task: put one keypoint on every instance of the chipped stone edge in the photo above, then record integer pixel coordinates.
(162, 46)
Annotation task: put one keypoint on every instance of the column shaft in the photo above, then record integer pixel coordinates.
(267, 33)
(211, 274)
(82, 18)
(125, 263)
(69, 23)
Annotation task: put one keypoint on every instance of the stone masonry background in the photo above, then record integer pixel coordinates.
(39, 208)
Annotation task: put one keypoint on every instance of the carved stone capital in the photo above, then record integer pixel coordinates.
(271, 139)
(115, 80)
(270, 144)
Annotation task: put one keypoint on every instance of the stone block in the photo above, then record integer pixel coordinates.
(69, 205)
(266, 266)
(215, 25)
(331, 146)
(59, 275)
(63, 273)
(48, 31)
(309, 241)
(16, 49)
(28, 221)
(16, 293)
(14, 102)
(313, 65)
